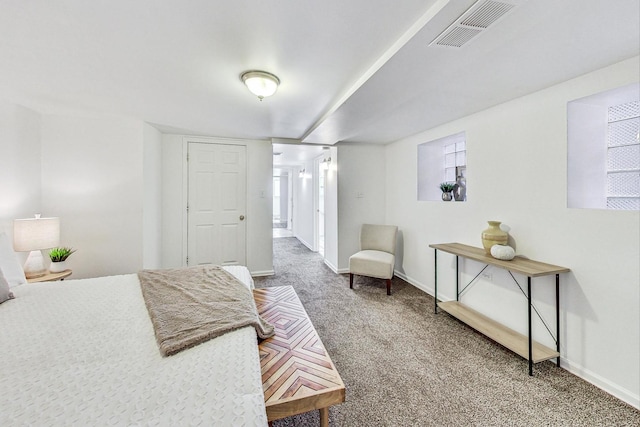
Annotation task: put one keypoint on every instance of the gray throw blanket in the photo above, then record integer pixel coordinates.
(191, 305)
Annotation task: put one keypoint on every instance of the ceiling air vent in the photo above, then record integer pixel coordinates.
(473, 22)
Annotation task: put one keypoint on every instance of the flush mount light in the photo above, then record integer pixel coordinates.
(260, 83)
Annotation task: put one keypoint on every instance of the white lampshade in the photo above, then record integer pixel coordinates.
(34, 234)
(260, 83)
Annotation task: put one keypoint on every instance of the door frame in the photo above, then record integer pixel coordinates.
(316, 206)
(290, 191)
(185, 186)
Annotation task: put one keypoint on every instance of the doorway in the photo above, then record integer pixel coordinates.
(282, 202)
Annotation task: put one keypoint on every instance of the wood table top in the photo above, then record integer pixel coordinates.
(519, 264)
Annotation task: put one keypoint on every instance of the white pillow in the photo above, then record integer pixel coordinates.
(11, 268)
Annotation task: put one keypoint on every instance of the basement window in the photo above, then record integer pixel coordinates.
(440, 160)
(604, 150)
(623, 156)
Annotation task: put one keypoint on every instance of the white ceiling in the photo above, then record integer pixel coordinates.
(295, 154)
(353, 71)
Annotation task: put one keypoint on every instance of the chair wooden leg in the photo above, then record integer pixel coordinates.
(388, 286)
(351, 280)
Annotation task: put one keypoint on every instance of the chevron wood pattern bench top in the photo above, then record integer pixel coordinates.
(297, 374)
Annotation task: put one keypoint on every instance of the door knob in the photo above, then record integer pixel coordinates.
(241, 217)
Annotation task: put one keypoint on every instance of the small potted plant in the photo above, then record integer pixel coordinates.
(447, 188)
(58, 259)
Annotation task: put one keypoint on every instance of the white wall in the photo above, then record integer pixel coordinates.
(587, 128)
(284, 196)
(361, 198)
(173, 252)
(152, 198)
(259, 207)
(259, 201)
(331, 214)
(92, 178)
(303, 205)
(20, 174)
(517, 165)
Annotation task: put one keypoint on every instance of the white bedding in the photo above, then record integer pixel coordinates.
(83, 352)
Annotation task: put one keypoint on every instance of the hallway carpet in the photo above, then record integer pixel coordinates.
(405, 366)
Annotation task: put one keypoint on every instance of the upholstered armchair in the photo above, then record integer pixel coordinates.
(377, 254)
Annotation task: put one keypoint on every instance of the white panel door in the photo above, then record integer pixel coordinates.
(217, 204)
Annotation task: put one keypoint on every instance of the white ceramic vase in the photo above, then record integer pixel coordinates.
(57, 267)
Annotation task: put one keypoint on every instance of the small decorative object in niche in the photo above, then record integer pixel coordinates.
(503, 252)
(460, 187)
(447, 188)
(59, 259)
(493, 236)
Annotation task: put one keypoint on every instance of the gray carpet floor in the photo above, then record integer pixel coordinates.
(405, 366)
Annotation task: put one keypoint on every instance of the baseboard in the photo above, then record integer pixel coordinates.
(424, 288)
(602, 383)
(336, 269)
(331, 266)
(304, 242)
(262, 273)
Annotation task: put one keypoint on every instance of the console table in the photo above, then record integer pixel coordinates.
(520, 344)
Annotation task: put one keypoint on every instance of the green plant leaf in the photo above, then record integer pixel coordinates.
(60, 254)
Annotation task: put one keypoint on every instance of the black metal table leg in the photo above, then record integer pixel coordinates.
(435, 286)
(529, 318)
(558, 318)
(457, 280)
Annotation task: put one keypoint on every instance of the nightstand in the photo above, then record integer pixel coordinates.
(51, 277)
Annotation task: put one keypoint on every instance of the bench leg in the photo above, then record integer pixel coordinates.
(388, 286)
(351, 280)
(324, 417)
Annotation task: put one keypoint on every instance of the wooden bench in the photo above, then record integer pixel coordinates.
(297, 374)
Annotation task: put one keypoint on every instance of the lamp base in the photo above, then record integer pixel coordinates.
(34, 266)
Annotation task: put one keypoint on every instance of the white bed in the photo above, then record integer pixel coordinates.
(83, 352)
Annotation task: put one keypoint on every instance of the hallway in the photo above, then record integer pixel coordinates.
(281, 232)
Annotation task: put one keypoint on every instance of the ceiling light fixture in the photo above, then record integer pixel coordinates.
(260, 83)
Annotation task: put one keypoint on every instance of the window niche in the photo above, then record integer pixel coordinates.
(603, 150)
(441, 160)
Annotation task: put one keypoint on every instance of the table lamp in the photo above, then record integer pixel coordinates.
(34, 234)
